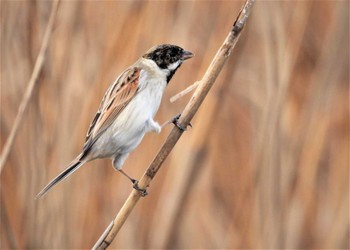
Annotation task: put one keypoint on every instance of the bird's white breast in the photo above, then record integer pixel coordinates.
(127, 131)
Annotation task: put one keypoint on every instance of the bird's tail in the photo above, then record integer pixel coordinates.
(64, 174)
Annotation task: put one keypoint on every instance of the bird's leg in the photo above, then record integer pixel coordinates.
(142, 191)
(175, 121)
(127, 176)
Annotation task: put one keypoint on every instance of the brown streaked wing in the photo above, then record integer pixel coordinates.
(113, 88)
(115, 100)
(92, 125)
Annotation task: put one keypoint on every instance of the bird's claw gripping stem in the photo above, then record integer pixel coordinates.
(175, 121)
(142, 191)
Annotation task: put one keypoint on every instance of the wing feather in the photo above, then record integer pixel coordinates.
(113, 103)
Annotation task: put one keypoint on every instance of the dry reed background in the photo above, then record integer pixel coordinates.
(268, 157)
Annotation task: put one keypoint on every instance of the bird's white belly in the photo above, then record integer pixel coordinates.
(127, 131)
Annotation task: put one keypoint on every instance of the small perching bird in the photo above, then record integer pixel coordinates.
(127, 110)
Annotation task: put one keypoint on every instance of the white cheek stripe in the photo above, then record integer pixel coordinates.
(174, 65)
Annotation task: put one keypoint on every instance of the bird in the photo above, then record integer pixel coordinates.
(127, 111)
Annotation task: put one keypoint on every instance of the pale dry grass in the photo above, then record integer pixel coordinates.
(268, 155)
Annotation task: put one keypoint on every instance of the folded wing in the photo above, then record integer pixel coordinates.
(113, 103)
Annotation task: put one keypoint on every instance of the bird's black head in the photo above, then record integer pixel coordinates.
(168, 57)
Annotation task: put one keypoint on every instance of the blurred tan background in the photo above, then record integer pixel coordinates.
(266, 164)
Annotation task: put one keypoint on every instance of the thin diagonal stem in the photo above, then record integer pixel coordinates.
(190, 110)
(30, 86)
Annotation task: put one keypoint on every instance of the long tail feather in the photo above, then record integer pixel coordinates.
(68, 171)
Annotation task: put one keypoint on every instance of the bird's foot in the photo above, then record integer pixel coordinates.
(175, 121)
(142, 191)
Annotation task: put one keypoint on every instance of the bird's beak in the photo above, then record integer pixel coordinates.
(187, 55)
